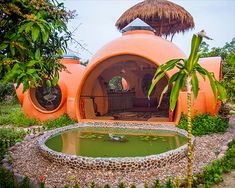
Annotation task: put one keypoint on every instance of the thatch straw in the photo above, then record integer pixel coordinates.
(164, 16)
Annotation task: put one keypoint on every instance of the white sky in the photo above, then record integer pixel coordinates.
(96, 20)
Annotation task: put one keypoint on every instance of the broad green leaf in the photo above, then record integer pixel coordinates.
(35, 33)
(3, 46)
(171, 64)
(45, 36)
(173, 78)
(212, 83)
(201, 71)
(12, 49)
(37, 54)
(48, 83)
(29, 27)
(55, 81)
(196, 41)
(175, 92)
(31, 71)
(195, 85)
(162, 94)
(25, 86)
(154, 82)
(60, 52)
(31, 63)
(222, 91)
(24, 26)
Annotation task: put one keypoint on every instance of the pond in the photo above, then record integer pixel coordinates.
(114, 142)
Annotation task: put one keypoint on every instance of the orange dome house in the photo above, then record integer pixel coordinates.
(134, 57)
(114, 85)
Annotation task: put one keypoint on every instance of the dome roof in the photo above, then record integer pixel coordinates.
(141, 43)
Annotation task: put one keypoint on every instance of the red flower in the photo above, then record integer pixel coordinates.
(41, 178)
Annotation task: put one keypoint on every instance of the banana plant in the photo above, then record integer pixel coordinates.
(187, 76)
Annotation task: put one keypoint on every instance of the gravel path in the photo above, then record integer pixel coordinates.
(28, 162)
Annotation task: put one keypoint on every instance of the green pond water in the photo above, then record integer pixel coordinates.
(114, 142)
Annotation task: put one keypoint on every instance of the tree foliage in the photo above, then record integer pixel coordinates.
(227, 52)
(33, 37)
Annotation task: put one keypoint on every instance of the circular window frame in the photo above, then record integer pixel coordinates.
(39, 108)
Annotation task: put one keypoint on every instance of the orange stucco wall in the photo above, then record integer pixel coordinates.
(68, 84)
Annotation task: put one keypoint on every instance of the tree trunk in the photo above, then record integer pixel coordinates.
(190, 156)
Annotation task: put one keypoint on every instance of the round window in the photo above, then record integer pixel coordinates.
(46, 98)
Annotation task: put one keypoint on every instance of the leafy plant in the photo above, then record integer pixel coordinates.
(6, 178)
(92, 185)
(212, 173)
(169, 183)
(106, 186)
(33, 37)
(204, 124)
(8, 137)
(186, 76)
(121, 185)
(157, 184)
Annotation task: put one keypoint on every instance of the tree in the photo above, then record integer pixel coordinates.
(227, 52)
(33, 37)
(187, 76)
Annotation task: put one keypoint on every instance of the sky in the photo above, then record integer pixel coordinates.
(94, 25)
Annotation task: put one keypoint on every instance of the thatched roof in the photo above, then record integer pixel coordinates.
(164, 16)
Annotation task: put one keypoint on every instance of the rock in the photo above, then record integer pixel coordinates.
(6, 156)
(28, 137)
(18, 178)
(221, 155)
(224, 148)
(17, 144)
(141, 185)
(5, 160)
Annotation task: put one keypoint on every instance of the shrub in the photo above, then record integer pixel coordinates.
(8, 137)
(59, 122)
(212, 173)
(6, 178)
(204, 124)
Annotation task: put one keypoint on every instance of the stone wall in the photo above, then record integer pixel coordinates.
(118, 163)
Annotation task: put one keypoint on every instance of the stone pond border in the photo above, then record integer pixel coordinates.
(116, 163)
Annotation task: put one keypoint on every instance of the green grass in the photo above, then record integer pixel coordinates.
(59, 122)
(12, 114)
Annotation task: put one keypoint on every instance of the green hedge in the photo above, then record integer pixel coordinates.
(204, 124)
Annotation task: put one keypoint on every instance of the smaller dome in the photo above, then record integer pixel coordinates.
(137, 24)
(70, 55)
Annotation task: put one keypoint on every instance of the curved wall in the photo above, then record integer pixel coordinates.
(140, 44)
(68, 83)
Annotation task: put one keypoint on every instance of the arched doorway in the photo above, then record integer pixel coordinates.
(102, 93)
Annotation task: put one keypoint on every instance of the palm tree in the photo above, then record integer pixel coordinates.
(187, 76)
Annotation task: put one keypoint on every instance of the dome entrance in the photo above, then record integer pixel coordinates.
(117, 89)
